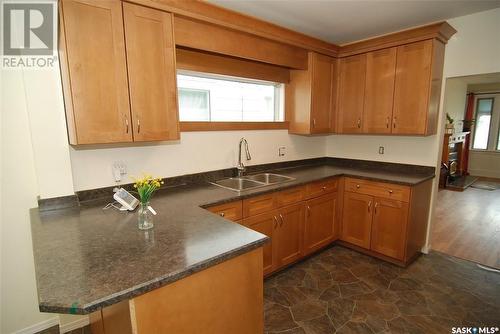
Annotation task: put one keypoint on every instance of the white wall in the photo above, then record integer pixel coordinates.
(405, 149)
(196, 152)
(19, 189)
(486, 164)
(455, 99)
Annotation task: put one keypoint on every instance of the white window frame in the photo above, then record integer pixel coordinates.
(279, 95)
(494, 124)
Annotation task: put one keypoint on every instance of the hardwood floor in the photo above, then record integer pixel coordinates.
(467, 225)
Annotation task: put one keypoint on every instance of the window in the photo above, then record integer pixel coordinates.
(487, 124)
(216, 98)
(484, 109)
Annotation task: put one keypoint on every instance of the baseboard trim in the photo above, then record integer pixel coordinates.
(70, 326)
(42, 325)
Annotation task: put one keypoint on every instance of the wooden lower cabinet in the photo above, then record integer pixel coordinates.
(319, 227)
(288, 234)
(357, 219)
(265, 223)
(389, 227)
(194, 304)
(386, 220)
(284, 227)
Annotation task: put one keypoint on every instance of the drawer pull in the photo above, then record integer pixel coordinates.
(390, 191)
(308, 210)
(375, 207)
(370, 206)
(358, 186)
(222, 214)
(323, 188)
(275, 221)
(282, 220)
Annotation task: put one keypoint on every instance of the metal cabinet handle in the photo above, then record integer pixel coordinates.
(138, 125)
(394, 122)
(390, 191)
(222, 214)
(314, 122)
(308, 210)
(275, 221)
(357, 186)
(370, 206)
(375, 207)
(387, 123)
(359, 123)
(323, 188)
(282, 220)
(126, 124)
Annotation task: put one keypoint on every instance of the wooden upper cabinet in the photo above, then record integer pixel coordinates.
(412, 88)
(379, 91)
(152, 75)
(323, 69)
(352, 75)
(310, 96)
(389, 227)
(94, 72)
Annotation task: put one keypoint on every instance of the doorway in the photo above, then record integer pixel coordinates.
(467, 217)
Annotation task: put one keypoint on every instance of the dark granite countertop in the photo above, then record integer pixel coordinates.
(87, 257)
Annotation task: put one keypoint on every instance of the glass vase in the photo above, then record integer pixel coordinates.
(145, 217)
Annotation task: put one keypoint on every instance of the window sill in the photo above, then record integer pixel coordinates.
(228, 126)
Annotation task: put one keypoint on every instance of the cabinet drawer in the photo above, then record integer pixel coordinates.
(378, 189)
(290, 196)
(231, 211)
(259, 204)
(319, 188)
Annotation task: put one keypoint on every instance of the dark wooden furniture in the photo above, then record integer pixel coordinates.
(453, 157)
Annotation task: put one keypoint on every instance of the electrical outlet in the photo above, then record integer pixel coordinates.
(281, 151)
(119, 169)
(380, 150)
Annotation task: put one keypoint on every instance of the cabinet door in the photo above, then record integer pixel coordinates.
(411, 91)
(266, 224)
(289, 234)
(351, 93)
(379, 91)
(389, 227)
(322, 88)
(152, 75)
(94, 72)
(319, 227)
(357, 219)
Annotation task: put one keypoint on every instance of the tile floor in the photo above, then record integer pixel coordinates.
(341, 291)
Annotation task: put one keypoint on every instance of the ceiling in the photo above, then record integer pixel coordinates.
(344, 21)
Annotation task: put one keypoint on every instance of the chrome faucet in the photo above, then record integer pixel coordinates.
(240, 166)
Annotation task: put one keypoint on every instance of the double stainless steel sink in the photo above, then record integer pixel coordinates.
(252, 181)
